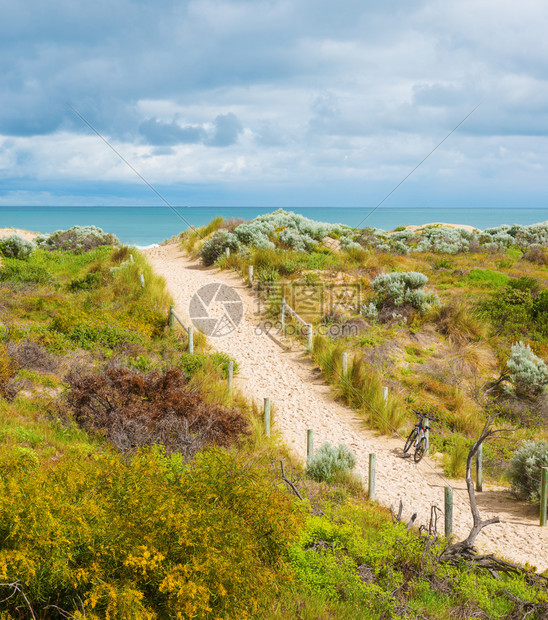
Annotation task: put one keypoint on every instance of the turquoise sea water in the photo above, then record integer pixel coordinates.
(147, 225)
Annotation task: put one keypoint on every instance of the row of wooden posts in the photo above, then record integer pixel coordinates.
(372, 472)
(448, 496)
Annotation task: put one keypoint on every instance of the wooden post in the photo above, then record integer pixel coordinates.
(372, 474)
(282, 315)
(344, 364)
(479, 468)
(385, 394)
(448, 511)
(250, 275)
(267, 417)
(230, 376)
(131, 259)
(310, 338)
(142, 278)
(190, 333)
(171, 317)
(543, 495)
(309, 445)
(227, 252)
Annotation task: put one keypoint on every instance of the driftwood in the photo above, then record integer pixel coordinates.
(397, 518)
(464, 551)
(466, 547)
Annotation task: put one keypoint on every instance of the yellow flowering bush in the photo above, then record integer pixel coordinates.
(148, 537)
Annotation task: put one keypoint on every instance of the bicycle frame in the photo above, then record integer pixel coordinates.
(423, 427)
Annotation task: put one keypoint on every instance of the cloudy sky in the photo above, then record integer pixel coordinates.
(274, 102)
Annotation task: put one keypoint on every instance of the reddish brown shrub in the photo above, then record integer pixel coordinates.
(135, 409)
(32, 356)
(537, 254)
(8, 370)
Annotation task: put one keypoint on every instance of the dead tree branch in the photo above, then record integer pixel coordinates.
(17, 589)
(292, 487)
(466, 547)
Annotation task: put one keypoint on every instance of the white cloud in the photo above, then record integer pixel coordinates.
(225, 92)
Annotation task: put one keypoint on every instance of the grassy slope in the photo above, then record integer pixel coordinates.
(87, 531)
(444, 360)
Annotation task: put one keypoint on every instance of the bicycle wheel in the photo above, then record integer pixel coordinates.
(420, 450)
(410, 440)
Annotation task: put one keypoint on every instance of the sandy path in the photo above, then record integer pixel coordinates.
(303, 401)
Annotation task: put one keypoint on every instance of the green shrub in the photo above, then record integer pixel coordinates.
(216, 246)
(511, 313)
(528, 372)
(329, 461)
(398, 289)
(85, 283)
(23, 271)
(488, 278)
(100, 536)
(76, 239)
(16, 246)
(525, 469)
(191, 363)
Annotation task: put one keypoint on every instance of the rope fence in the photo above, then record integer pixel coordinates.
(173, 316)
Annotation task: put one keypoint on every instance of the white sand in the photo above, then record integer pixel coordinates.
(303, 401)
(413, 227)
(26, 234)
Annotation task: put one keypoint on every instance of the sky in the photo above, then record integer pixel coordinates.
(274, 102)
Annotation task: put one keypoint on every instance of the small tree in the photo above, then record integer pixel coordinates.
(528, 373)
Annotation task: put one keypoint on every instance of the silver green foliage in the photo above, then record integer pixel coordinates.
(369, 311)
(401, 288)
(445, 240)
(528, 373)
(525, 469)
(15, 246)
(295, 241)
(330, 461)
(448, 240)
(76, 239)
(217, 244)
(290, 229)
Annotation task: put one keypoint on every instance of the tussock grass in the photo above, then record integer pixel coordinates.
(455, 321)
(127, 283)
(361, 387)
(193, 235)
(454, 458)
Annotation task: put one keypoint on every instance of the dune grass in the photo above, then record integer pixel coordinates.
(361, 386)
(87, 532)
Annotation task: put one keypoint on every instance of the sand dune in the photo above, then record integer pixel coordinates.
(303, 401)
(26, 234)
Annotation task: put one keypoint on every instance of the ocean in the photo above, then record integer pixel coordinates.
(143, 226)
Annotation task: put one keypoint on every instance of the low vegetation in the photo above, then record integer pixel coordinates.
(134, 485)
(451, 320)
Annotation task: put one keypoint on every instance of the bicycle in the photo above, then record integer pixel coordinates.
(417, 437)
